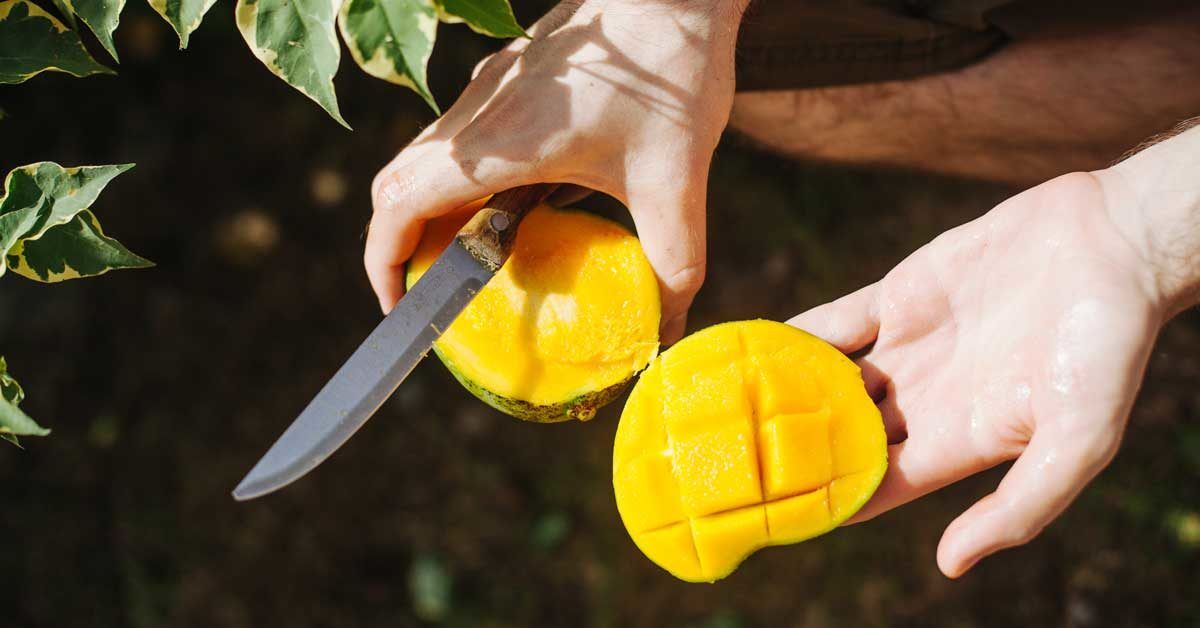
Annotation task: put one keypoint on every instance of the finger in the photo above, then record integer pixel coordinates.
(670, 223)
(568, 195)
(918, 466)
(420, 184)
(483, 63)
(849, 323)
(1045, 479)
(874, 379)
(894, 421)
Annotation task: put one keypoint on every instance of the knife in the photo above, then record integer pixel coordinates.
(397, 344)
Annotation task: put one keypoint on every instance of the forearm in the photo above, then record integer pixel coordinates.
(1036, 109)
(1154, 199)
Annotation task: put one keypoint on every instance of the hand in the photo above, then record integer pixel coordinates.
(627, 97)
(1022, 335)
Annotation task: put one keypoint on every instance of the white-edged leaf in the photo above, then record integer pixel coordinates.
(493, 18)
(47, 232)
(296, 40)
(72, 250)
(56, 192)
(32, 41)
(13, 421)
(183, 15)
(13, 225)
(392, 40)
(102, 16)
(67, 12)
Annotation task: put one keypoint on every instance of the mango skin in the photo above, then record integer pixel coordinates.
(581, 408)
(595, 323)
(741, 436)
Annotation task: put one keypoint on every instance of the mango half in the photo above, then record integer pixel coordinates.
(743, 435)
(563, 326)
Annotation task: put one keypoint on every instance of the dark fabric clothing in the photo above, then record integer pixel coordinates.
(792, 44)
(795, 44)
(808, 43)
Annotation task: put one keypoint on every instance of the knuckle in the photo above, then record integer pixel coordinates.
(687, 280)
(1023, 533)
(479, 67)
(378, 197)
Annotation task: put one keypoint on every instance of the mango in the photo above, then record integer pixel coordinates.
(741, 436)
(563, 326)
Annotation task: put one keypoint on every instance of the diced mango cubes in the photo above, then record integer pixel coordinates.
(743, 435)
(717, 469)
(796, 456)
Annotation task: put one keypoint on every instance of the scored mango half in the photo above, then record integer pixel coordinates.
(743, 435)
(563, 326)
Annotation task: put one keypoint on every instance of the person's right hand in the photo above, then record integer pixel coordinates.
(626, 97)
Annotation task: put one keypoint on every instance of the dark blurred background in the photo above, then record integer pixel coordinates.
(163, 386)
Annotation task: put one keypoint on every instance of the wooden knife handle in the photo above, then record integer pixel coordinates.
(491, 232)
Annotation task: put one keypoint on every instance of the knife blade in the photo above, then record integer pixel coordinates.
(397, 344)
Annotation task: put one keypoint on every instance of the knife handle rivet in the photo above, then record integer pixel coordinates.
(499, 221)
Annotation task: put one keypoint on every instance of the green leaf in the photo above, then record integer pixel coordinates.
(493, 18)
(14, 422)
(47, 231)
(10, 390)
(58, 193)
(69, 251)
(102, 17)
(392, 40)
(67, 12)
(13, 226)
(295, 39)
(32, 41)
(183, 15)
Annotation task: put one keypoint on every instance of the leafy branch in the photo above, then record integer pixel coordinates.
(14, 422)
(296, 39)
(48, 233)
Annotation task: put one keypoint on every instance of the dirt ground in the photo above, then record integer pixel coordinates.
(164, 385)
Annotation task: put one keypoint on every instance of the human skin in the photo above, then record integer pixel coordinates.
(1072, 96)
(1024, 334)
(1021, 335)
(626, 97)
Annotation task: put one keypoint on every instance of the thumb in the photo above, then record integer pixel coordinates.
(671, 225)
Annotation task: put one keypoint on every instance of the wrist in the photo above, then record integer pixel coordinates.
(1153, 199)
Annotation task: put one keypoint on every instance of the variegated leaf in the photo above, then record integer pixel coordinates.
(183, 15)
(56, 192)
(392, 40)
(32, 41)
(296, 40)
(14, 422)
(46, 230)
(68, 13)
(493, 18)
(102, 17)
(72, 250)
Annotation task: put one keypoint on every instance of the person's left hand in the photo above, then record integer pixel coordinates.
(1021, 335)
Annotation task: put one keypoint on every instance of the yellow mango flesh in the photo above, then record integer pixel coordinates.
(743, 435)
(574, 311)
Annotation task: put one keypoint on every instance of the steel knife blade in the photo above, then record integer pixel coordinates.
(397, 344)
